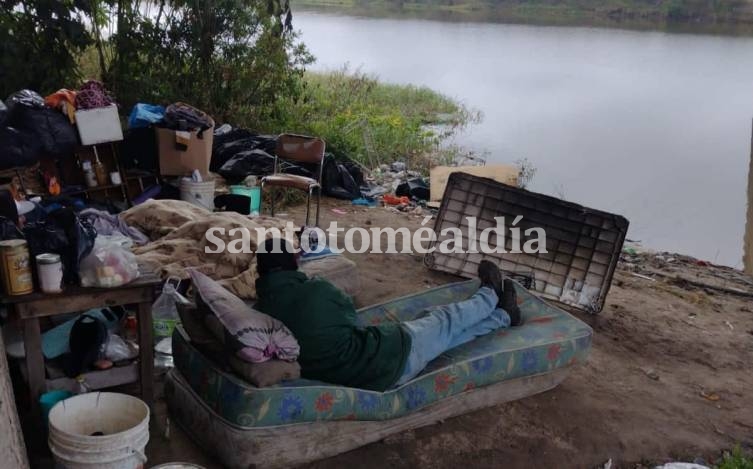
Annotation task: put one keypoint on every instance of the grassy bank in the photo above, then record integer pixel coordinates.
(721, 16)
(374, 122)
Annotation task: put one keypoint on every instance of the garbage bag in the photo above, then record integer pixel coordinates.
(144, 115)
(415, 188)
(139, 149)
(63, 233)
(338, 182)
(109, 264)
(259, 163)
(9, 230)
(28, 113)
(227, 145)
(19, 148)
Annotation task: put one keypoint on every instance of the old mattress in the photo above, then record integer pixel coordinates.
(501, 366)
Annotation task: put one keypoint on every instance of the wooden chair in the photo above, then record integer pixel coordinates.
(300, 149)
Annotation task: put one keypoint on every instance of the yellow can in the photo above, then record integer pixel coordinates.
(15, 267)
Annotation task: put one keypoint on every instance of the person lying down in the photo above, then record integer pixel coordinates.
(336, 350)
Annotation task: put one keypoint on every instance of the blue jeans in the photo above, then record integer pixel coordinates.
(442, 328)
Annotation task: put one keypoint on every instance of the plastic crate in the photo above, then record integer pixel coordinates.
(583, 245)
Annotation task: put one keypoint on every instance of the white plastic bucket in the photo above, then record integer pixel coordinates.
(123, 421)
(198, 193)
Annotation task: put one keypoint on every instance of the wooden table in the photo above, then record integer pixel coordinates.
(30, 308)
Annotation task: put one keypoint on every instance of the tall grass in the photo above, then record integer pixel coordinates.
(373, 122)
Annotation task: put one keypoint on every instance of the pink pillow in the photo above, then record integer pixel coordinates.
(259, 337)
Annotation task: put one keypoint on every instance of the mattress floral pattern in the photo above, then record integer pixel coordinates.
(549, 339)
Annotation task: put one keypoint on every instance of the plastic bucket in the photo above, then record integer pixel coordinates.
(48, 400)
(198, 193)
(253, 193)
(121, 425)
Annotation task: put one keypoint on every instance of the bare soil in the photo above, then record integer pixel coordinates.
(670, 376)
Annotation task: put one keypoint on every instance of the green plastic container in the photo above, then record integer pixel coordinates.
(253, 193)
(48, 400)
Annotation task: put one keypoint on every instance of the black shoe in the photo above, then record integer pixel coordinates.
(509, 302)
(491, 277)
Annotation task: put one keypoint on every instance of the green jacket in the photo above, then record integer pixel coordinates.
(333, 348)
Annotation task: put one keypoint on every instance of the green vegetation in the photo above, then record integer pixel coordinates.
(238, 60)
(735, 460)
(373, 122)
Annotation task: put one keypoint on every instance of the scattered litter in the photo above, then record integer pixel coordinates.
(644, 277)
(339, 211)
(364, 202)
(713, 397)
(608, 464)
(651, 373)
(729, 324)
(392, 200)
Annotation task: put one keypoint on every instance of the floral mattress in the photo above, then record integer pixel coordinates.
(549, 339)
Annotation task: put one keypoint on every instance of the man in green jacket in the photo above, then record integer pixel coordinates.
(336, 350)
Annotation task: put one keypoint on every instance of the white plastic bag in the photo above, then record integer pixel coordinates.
(165, 309)
(118, 349)
(110, 264)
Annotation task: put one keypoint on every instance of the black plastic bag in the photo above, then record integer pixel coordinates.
(338, 180)
(3, 112)
(54, 133)
(227, 145)
(414, 188)
(63, 233)
(18, 148)
(9, 230)
(258, 163)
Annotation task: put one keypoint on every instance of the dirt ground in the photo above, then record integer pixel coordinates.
(670, 375)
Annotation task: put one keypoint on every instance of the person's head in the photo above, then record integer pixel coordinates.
(277, 255)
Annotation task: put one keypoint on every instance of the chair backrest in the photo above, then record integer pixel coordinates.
(300, 148)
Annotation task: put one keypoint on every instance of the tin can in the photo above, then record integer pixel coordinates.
(50, 273)
(15, 267)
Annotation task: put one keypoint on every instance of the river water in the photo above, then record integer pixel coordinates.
(650, 125)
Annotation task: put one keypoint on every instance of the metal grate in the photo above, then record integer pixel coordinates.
(583, 245)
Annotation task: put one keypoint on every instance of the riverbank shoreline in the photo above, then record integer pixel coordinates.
(564, 15)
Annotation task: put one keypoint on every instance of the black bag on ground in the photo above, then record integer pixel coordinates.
(414, 188)
(338, 181)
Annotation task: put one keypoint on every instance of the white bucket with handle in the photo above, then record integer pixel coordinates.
(102, 430)
(198, 193)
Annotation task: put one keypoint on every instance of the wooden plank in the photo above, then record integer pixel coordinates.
(291, 445)
(34, 362)
(748, 239)
(12, 447)
(49, 305)
(100, 379)
(146, 352)
(504, 173)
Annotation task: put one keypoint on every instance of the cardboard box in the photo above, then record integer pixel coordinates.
(180, 159)
(99, 125)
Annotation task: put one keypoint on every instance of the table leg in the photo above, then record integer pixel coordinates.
(34, 362)
(146, 352)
